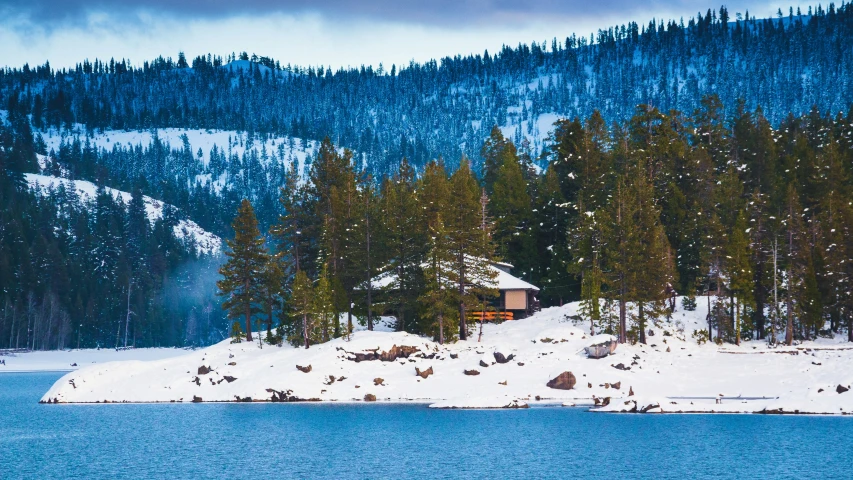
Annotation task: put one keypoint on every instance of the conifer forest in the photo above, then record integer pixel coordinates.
(612, 170)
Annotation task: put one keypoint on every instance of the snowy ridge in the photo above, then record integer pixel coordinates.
(205, 242)
(290, 151)
(671, 368)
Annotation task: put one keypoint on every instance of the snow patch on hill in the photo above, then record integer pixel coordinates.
(205, 242)
(467, 374)
(290, 151)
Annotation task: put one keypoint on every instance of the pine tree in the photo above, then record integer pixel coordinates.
(301, 303)
(440, 278)
(739, 268)
(240, 274)
(323, 307)
(469, 244)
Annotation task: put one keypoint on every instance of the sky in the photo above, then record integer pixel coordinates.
(334, 33)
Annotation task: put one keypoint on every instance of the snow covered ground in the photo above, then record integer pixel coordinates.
(671, 368)
(205, 242)
(68, 360)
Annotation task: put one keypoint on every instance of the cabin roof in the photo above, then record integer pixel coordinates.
(504, 280)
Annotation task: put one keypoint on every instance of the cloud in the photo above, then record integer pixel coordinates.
(441, 13)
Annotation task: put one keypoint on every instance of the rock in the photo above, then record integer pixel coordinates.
(483, 364)
(630, 391)
(841, 389)
(397, 352)
(341, 378)
(454, 356)
(621, 366)
(500, 358)
(563, 381)
(197, 399)
(520, 364)
(197, 381)
(617, 385)
(502, 383)
(472, 372)
(391, 355)
(600, 350)
(667, 349)
(74, 364)
(649, 407)
(229, 378)
(303, 369)
(330, 381)
(369, 397)
(819, 390)
(588, 385)
(231, 364)
(423, 373)
(651, 333)
(378, 381)
(202, 370)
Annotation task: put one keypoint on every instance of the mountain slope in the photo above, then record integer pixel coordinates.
(205, 242)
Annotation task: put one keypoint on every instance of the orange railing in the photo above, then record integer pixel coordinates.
(490, 316)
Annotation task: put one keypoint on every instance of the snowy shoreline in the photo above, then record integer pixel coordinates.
(508, 369)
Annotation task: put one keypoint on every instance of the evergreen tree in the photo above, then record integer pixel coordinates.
(240, 274)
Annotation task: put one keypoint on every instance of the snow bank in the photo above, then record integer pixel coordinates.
(670, 374)
(69, 360)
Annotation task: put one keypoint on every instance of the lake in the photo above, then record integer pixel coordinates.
(172, 441)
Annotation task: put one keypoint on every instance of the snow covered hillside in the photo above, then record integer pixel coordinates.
(509, 368)
(283, 149)
(205, 242)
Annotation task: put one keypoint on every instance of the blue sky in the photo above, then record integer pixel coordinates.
(334, 33)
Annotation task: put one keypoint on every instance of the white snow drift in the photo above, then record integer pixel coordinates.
(670, 374)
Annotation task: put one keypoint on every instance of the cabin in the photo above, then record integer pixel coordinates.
(517, 298)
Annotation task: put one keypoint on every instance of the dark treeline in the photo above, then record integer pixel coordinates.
(755, 219)
(445, 108)
(76, 274)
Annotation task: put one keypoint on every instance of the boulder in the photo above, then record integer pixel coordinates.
(303, 369)
(378, 381)
(617, 385)
(231, 364)
(600, 350)
(563, 381)
(396, 352)
(202, 370)
(483, 364)
(197, 399)
(631, 391)
(454, 356)
(369, 397)
(229, 378)
(841, 389)
(423, 373)
(500, 358)
(620, 366)
(472, 372)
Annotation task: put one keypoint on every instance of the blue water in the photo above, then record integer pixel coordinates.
(380, 441)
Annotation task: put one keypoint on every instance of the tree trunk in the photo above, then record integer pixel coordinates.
(737, 323)
(463, 327)
(441, 329)
(760, 298)
(641, 317)
(305, 329)
(623, 337)
(248, 316)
